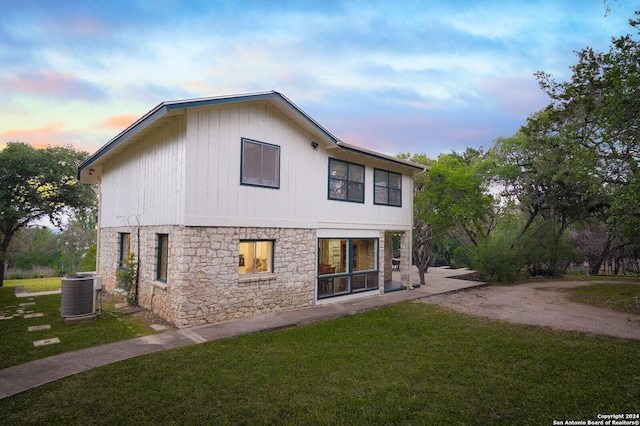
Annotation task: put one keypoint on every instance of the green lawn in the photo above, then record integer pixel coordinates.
(408, 364)
(16, 344)
(621, 297)
(36, 284)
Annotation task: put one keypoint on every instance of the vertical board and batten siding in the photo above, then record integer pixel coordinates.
(215, 197)
(147, 179)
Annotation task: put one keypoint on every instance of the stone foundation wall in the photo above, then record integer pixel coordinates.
(203, 284)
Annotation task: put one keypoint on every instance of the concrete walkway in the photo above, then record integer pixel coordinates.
(20, 378)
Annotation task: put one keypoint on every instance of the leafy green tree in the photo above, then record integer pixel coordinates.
(89, 260)
(76, 239)
(455, 197)
(497, 258)
(574, 165)
(546, 176)
(596, 112)
(33, 247)
(451, 200)
(38, 184)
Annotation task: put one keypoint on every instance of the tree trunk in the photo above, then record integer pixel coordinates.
(7, 234)
(422, 259)
(2, 268)
(421, 249)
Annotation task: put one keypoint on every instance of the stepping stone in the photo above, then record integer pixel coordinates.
(2, 317)
(27, 304)
(46, 342)
(39, 327)
(34, 315)
(159, 327)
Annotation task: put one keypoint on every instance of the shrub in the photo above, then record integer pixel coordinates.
(35, 272)
(127, 278)
(461, 258)
(497, 262)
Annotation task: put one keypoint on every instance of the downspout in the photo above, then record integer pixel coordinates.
(138, 264)
(98, 220)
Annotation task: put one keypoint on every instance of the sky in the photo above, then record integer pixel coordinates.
(392, 76)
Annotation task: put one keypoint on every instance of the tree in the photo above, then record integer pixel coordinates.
(451, 199)
(423, 233)
(76, 239)
(597, 111)
(38, 184)
(33, 247)
(575, 163)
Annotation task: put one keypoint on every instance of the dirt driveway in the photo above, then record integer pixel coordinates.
(540, 303)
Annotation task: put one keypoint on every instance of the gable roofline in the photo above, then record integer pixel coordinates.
(168, 107)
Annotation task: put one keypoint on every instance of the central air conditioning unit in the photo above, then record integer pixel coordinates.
(79, 295)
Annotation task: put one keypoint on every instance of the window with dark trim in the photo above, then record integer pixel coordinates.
(125, 250)
(347, 265)
(260, 164)
(346, 181)
(163, 257)
(387, 188)
(256, 257)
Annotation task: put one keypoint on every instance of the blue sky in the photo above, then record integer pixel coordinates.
(392, 76)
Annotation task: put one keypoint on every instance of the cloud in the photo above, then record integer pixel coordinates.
(48, 83)
(118, 122)
(51, 134)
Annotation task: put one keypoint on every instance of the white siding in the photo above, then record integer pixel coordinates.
(147, 180)
(214, 196)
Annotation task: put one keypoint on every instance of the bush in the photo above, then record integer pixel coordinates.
(35, 272)
(89, 261)
(461, 258)
(127, 278)
(497, 262)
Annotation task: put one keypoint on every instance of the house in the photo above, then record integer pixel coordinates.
(243, 205)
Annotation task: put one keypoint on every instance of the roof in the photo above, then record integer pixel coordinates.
(164, 110)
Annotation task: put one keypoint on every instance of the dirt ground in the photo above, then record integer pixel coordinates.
(543, 304)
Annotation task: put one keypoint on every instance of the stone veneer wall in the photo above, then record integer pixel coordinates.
(203, 285)
(386, 254)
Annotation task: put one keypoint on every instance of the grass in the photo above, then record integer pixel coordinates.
(408, 364)
(621, 297)
(629, 278)
(36, 284)
(16, 345)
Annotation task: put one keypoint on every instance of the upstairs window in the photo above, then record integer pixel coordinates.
(346, 181)
(260, 164)
(387, 188)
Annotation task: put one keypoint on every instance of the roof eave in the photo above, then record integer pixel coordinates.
(418, 168)
(135, 128)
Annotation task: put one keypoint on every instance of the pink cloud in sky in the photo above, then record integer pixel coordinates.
(52, 83)
(118, 122)
(51, 134)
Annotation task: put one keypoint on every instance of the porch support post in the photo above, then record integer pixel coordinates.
(405, 258)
